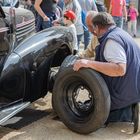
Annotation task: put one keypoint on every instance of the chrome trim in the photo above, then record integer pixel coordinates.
(11, 111)
(25, 29)
(22, 35)
(4, 29)
(24, 23)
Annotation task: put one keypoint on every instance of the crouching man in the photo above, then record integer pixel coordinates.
(118, 61)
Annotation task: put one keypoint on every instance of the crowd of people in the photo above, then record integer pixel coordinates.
(47, 11)
(117, 56)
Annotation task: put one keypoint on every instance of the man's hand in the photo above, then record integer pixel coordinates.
(80, 64)
(45, 18)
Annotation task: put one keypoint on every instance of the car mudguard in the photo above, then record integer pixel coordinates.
(39, 53)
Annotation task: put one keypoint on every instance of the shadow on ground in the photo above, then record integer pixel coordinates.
(25, 118)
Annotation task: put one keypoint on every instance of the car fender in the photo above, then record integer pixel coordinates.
(39, 53)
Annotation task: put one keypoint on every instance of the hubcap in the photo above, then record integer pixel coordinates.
(80, 99)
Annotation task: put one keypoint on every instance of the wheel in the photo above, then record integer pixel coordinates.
(68, 61)
(81, 99)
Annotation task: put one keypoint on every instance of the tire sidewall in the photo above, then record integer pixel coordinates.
(99, 90)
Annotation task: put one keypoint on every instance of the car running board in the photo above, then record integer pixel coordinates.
(10, 111)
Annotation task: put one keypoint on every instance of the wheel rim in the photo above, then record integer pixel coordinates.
(80, 99)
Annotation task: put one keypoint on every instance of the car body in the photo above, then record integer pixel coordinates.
(26, 59)
(32, 64)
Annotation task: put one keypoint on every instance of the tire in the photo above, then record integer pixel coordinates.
(68, 61)
(88, 114)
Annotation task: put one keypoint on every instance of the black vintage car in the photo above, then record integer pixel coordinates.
(27, 73)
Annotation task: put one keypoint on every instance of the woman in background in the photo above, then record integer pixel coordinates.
(132, 23)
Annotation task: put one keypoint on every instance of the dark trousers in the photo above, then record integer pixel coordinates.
(121, 115)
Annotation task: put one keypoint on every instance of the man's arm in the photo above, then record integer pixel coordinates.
(115, 56)
(39, 10)
(90, 51)
(110, 69)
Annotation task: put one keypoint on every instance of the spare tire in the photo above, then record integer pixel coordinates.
(81, 99)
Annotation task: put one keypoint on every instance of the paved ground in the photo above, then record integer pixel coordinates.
(39, 123)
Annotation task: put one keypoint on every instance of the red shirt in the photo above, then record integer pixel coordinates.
(117, 7)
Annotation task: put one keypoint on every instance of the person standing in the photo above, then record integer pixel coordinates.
(68, 20)
(76, 8)
(29, 4)
(132, 23)
(89, 52)
(46, 10)
(61, 4)
(117, 10)
(86, 5)
(118, 61)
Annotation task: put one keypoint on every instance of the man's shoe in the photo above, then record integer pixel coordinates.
(136, 118)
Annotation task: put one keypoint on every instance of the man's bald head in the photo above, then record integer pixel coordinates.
(89, 18)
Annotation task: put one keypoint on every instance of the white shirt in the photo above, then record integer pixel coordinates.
(114, 52)
(77, 10)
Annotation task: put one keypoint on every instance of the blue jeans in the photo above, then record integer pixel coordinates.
(87, 38)
(46, 24)
(41, 24)
(79, 37)
(121, 115)
(61, 4)
(118, 21)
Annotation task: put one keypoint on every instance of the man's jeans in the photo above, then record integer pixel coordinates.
(121, 115)
(87, 35)
(46, 24)
(87, 38)
(79, 37)
(118, 21)
(41, 24)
